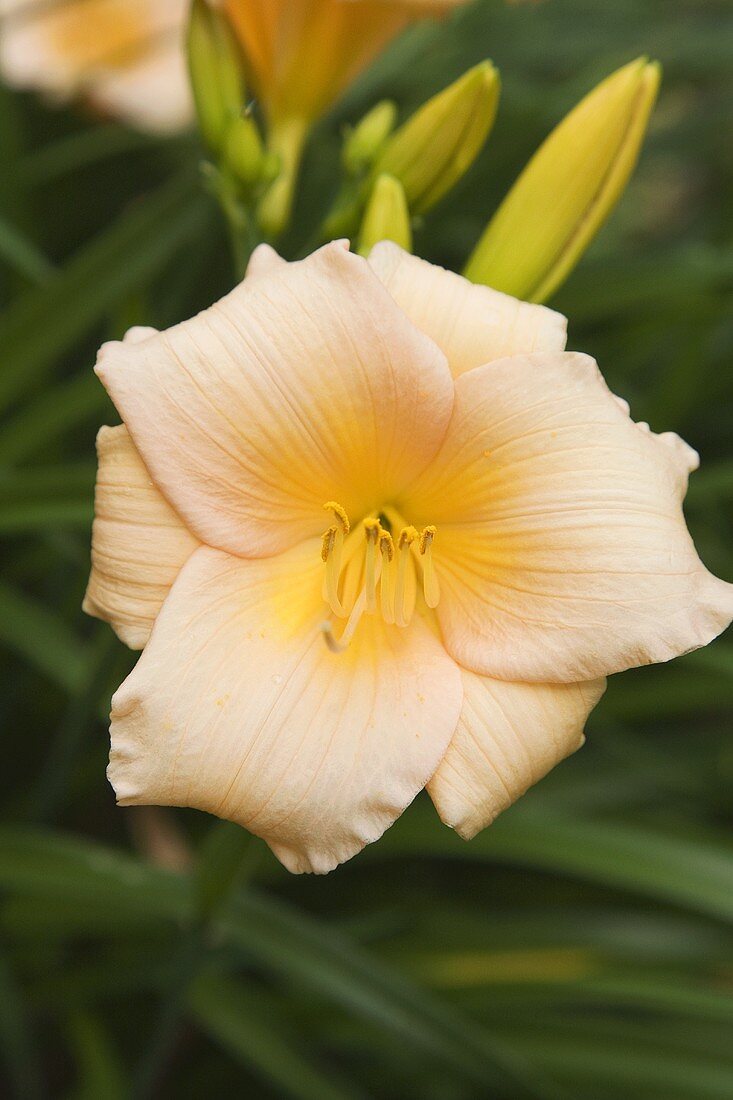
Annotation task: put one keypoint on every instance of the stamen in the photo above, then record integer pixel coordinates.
(404, 589)
(340, 514)
(371, 530)
(386, 587)
(431, 588)
(339, 645)
(332, 553)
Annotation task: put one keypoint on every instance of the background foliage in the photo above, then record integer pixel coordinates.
(579, 948)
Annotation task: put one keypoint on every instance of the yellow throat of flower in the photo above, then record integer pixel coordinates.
(373, 569)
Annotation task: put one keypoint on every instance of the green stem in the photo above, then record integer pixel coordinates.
(242, 237)
(286, 141)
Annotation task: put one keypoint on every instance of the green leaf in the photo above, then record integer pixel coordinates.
(31, 631)
(98, 1069)
(695, 873)
(16, 1045)
(239, 1021)
(54, 412)
(43, 325)
(23, 255)
(297, 947)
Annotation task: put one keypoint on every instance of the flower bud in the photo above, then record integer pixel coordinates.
(216, 70)
(365, 141)
(387, 217)
(440, 142)
(568, 189)
(243, 152)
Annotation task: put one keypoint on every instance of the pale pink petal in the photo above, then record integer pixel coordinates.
(237, 707)
(152, 94)
(509, 736)
(562, 550)
(299, 388)
(138, 542)
(472, 324)
(264, 261)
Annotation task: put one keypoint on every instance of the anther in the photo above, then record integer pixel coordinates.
(329, 541)
(431, 588)
(331, 552)
(340, 514)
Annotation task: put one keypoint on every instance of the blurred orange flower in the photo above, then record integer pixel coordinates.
(303, 53)
(124, 57)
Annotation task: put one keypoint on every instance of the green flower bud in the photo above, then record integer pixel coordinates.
(568, 189)
(364, 143)
(242, 151)
(216, 71)
(387, 217)
(440, 142)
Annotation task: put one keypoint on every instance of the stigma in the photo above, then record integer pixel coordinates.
(382, 566)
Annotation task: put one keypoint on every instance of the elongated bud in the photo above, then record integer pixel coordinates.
(387, 217)
(243, 152)
(440, 142)
(568, 189)
(365, 142)
(216, 71)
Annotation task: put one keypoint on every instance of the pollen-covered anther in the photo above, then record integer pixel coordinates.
(329, 541)
(340, 514)
(431, 587)
(332, 555)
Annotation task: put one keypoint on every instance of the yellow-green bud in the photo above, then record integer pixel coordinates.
(217, 72)
(440, 142)
(387, 217)
(364, 143)
(568, 189)
(243, 152)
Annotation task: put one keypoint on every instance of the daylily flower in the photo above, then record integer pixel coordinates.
(376, 530)
(301, 55)
(125, 57)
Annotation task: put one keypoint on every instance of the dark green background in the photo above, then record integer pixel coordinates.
(579, 948)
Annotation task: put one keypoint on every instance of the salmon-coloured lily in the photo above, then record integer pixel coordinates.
(124, 57)
(376, 530)
(301, 55)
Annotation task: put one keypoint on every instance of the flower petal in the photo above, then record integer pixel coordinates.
(152, 95)
(472, 324)
(509, 736)
(264, 261)
(562, 550)
(237, 707)
(306, 386)
(138, 542)
(126, 56)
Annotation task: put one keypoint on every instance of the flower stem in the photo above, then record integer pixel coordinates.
(286, 141)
